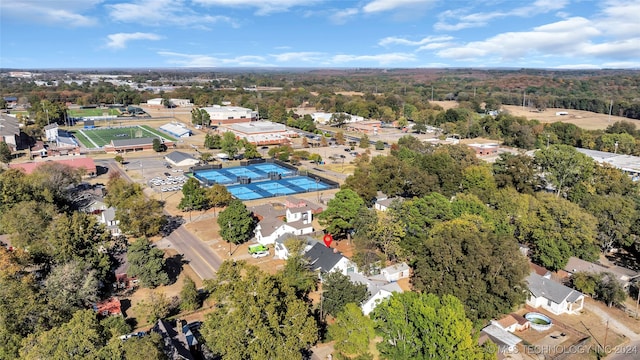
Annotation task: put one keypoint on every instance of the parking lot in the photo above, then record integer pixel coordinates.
(168, 182)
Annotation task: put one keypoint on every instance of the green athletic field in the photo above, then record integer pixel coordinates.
(100, 137)
(76, 113)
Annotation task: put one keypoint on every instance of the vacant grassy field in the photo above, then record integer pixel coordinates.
(92, 112)
(102, 136)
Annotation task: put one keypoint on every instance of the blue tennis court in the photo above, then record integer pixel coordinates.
(254, 172)
(271, 188)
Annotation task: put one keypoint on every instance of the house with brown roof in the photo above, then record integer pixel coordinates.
(109, 307)
(512, 323)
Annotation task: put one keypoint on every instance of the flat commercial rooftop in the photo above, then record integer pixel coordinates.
(626, 163)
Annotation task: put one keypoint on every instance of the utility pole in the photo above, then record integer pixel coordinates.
(637, 302)
(606, 332)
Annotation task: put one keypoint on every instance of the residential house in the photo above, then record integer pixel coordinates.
(512, 323)
(123, 281)
(51, 132)
(395, 272)
(553, 296)
(379, 290)
(273, 222)
(383, 202)
(175, 345)
(623, 275)
(108, 217)
(39, 149)
(109, 307)
(10, 131)
(325, 260)
(505, 340)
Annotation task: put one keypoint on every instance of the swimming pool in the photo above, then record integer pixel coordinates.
(231, 175)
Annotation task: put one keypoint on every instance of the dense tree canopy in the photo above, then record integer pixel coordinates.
(418, 326)
(257, 316)
(236, 223)
(462, 257)
(147, 263)
(341, 213)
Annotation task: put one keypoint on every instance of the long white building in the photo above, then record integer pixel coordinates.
(221, 115)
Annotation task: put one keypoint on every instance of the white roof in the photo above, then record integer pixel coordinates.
(175, 129)
(258, 127)
(499, 335)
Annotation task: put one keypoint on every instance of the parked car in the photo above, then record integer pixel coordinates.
(260, 254)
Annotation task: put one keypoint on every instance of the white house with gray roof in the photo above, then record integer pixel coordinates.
(553, 296)
(273, 222)
(379, 290)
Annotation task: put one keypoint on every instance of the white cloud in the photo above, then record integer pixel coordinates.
(120, 40)
(388, 5)
(341, 16)
(308, 56)
(392, 40)
(264, 7)
(200, 60)
(567, 37)
(465, 21)
(164, 13)
(66, 12)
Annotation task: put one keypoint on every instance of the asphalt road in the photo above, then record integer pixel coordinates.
(202, 259)
(200, 256)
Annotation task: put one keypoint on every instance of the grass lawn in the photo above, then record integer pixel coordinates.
(103, 136)
(157, 132)
(92, 112)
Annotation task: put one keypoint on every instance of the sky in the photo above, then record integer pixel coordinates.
(567, 34)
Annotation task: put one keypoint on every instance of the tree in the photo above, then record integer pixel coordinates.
(147, 263)
(352, 333)
(251, 151)
(478, 180)
(339, 291)
(80, 338)
(340, 140)
(158, 146)
(315, 158)
(236, 223)
(341, 213)
(194, 196)
(305, 142)
(463, 258)
(139, 216)
(155, 307)
(585, 282)
(189, 295)
(218, 195)
(518, 171)
(615, 214)
(196, 116)
(379, 145)
(564, 166)
(229, 144)
(339, 119)
(323, 141)
(68, 288)
(297, 273)
(610, 291)
(119, 159)
(212, 141)
(561, 230)
(419, 326)
(388, 232)
(257, 317)
(364, 141)
(206, 157)
(5, 153)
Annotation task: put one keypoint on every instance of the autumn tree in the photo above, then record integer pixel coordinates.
(364, 141)
(218, 195)
(68, 288)
(155, 307)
